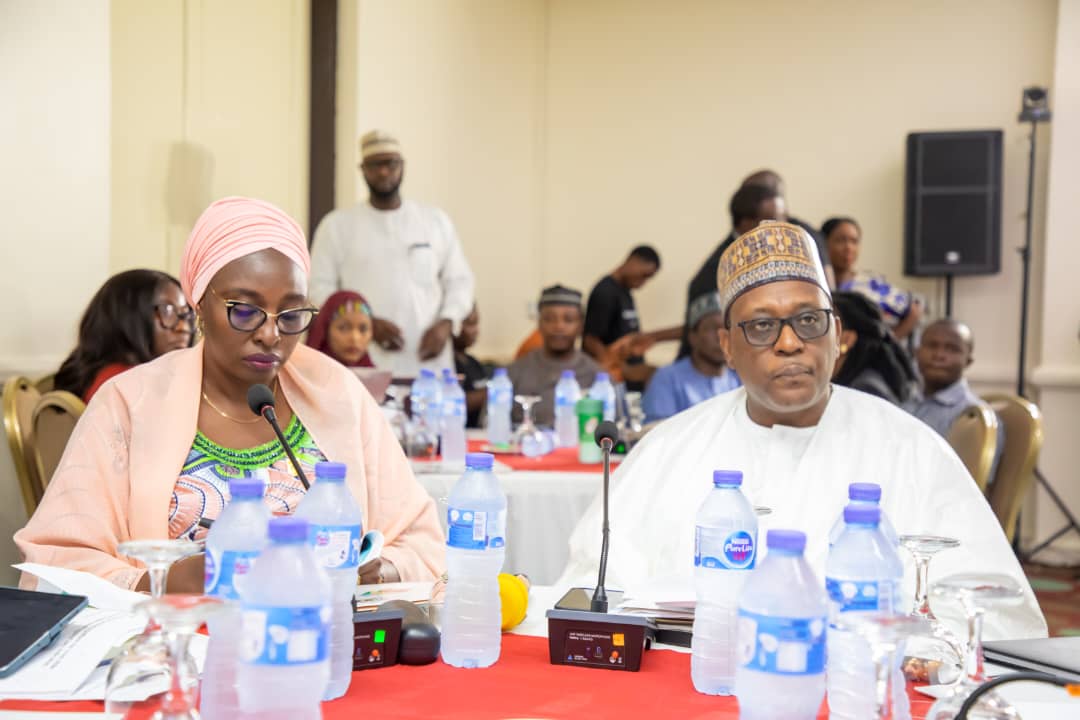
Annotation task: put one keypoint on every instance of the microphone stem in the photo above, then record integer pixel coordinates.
(599, 599)
(271, 417)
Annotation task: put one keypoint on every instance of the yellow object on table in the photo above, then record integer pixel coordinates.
(514, 593)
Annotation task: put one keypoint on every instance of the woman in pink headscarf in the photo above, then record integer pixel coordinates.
(153, 452)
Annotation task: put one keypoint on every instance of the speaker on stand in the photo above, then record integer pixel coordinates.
(952, 208)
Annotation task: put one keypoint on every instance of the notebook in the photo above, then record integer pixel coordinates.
(1058, 656)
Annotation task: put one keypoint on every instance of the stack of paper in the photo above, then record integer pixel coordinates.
(74, 666)
(369, 597)
(669, 601)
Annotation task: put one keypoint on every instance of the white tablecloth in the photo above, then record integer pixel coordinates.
(542, 510)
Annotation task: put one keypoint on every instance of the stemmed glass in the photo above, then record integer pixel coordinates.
(975, 592)
(142, 669)
(885, 634)
(180, 617)
(528, 438)
(938, 643)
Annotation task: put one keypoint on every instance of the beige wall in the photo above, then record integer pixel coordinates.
(209, 100)
(54, 145)
(1057, 379)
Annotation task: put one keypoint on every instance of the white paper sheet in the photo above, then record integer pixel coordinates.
(102, 593)
(67, 662)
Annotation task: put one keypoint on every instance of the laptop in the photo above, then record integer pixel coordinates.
(29, 621)
(1059, 656)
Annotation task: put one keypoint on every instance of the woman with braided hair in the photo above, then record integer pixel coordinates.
(871, 359)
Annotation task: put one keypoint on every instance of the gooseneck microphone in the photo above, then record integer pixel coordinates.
(607, 434)
(261, 401)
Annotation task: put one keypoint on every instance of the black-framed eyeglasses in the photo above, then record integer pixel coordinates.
(170, 315)
(807, 325)
(392, 163)
(246, 317)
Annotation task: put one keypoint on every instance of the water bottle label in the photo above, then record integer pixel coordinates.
(500, 396)
(336, 546)
(716, 549)
(475, 529)
(284, 635)
(225, 576)
(859, 595)
(454, 408)
(781, 646)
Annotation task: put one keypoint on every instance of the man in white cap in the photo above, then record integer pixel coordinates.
(404, 257)
(799, 441)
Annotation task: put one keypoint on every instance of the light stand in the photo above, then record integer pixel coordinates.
(1034, 109)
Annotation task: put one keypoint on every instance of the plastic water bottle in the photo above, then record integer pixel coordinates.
(567, 393)
(868, 494)
(475, 549)
(604, 391)
(454, 417)
(863, 574)
(335, 533)
(725, 544)
(285, 608)
(783, 612)
(426, 399)
(232, 546)
(500, 403)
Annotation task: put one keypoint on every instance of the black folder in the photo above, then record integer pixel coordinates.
(1058, 656)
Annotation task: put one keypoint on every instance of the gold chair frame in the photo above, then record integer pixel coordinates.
(1016, 475)
(20, 440)
(68, 404)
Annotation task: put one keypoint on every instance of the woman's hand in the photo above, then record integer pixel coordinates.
(378, 571)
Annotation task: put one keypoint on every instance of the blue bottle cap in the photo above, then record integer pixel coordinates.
(288, 530)
(479, 461)
(864, 491)
(247, 487)
(500, 372)
(790, 540)
(329, 471)
(427, 373)
(567, 375)
(862, 514)
(727, 478)
(602, 377)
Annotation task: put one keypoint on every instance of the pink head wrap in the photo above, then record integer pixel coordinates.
(232, 228)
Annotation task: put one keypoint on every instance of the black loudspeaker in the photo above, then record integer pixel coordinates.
(952, 208)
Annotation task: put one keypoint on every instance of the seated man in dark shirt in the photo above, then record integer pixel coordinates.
(537, 372)
(471, 369)
(613, 334)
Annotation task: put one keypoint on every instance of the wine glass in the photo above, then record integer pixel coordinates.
(939, 644)
(528, 438)
(885, 633)
(180, 616)
(975, 592)
(142, 668)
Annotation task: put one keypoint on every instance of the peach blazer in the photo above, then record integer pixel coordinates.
(116, 478)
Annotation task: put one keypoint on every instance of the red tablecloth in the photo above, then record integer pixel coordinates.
(559, 460)
(522, 684)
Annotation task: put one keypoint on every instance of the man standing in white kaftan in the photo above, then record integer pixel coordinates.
(404, 257)
(799, 442)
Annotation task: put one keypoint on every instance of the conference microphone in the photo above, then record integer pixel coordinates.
(581, 631)
(261, 401)
(606, 435)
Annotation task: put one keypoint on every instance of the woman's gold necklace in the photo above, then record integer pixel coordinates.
(229, 417)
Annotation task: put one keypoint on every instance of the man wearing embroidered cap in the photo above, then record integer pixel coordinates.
(561, 320)
(152, 455)
(404, 257)
(799, 441)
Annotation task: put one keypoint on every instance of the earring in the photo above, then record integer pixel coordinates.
(843, 349)
(200, 326)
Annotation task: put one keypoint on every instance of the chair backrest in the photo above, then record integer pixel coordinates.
(19, 398)
(54, 418)
(1016, 468)
(973, 436)
(45, 383)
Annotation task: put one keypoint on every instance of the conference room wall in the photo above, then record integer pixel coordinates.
(53, 191)
(559, 134)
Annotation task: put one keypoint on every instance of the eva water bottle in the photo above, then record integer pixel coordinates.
(783, 612)
(335, 534)
(285, 614)
(868, 494)
(500, 405)
(475, 550)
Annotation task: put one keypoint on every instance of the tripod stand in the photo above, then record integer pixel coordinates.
(1035, 110)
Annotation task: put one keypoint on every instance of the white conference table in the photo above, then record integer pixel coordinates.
(542, 510)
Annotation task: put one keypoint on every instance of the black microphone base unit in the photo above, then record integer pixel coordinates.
(376, 635)
(598, 640)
